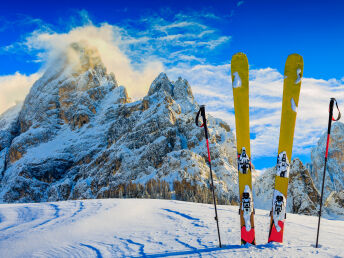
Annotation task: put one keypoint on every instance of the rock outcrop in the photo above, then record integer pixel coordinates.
(303, 197)
(335, 164)
(335, 203)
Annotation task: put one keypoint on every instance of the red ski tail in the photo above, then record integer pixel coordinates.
(276, 236)
(247, 236)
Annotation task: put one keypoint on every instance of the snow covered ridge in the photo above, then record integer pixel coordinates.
(335, 165)
(78, 135)
(303, 196)
(152, 228)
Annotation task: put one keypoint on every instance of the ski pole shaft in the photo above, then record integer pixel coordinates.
(330, 119)
(204, 125)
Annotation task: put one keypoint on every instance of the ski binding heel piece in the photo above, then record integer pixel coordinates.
(282, 167)
(243, 162)
(278, 209)
(247, 207)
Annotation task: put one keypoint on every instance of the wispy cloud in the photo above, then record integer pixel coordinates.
(240, 3)
(179, 24)
(189, 33)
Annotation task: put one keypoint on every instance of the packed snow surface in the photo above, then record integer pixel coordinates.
(152, 228)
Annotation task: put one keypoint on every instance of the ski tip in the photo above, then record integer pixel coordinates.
(295, 58)
(239, 56)
(296, 55)
(239, 64)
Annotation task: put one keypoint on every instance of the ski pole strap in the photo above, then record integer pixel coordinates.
(201, 112)
(333, 100)
(330, 119)
(204, 124)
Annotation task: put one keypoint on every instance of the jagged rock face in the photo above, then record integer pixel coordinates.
(335, 203)
(334, 180)
(79, 136)
(9, 128)
(303, 197)
(157, 138)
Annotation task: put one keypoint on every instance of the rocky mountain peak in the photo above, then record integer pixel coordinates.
(180, 91)
(86, 56)
(161, 84)
(68, 94)
(79, 136)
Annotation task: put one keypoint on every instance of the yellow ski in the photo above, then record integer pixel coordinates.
(291, 91)
(240, 79)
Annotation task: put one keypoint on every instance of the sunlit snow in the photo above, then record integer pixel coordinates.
(152, 228)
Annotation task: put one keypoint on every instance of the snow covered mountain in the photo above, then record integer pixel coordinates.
(78, 135)
(303, 196)
(334, 181)
(335, 164)
(335, 203)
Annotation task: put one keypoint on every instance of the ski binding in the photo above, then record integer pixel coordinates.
(282, 167)
(244, 162)
(278, 209)
(247, 207)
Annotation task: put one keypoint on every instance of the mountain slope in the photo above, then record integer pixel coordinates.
(335, 165)
(303, 197)
(152, 228)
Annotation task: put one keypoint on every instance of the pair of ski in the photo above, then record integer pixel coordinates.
(291, 91)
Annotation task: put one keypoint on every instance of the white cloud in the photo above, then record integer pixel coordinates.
(182, 24)
(14, 88)
(166, 37)
(211, 85)
(107, 39)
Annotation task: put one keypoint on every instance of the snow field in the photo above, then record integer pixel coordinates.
(152, 228)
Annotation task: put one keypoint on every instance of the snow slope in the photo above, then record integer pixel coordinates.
(152, 228)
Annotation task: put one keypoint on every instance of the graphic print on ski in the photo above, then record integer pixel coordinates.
(291, 91)
(239, 73)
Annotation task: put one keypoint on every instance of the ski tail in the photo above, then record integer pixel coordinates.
(240, 83)
(291, 91)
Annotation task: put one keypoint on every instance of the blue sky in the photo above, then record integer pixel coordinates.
(195, 41)
(266, 30)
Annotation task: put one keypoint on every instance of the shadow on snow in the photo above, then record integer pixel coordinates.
(209, 250)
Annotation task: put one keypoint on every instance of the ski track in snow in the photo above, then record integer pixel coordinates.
(152, 228)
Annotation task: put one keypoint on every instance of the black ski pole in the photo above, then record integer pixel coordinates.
(204, 124)
(330, 119)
